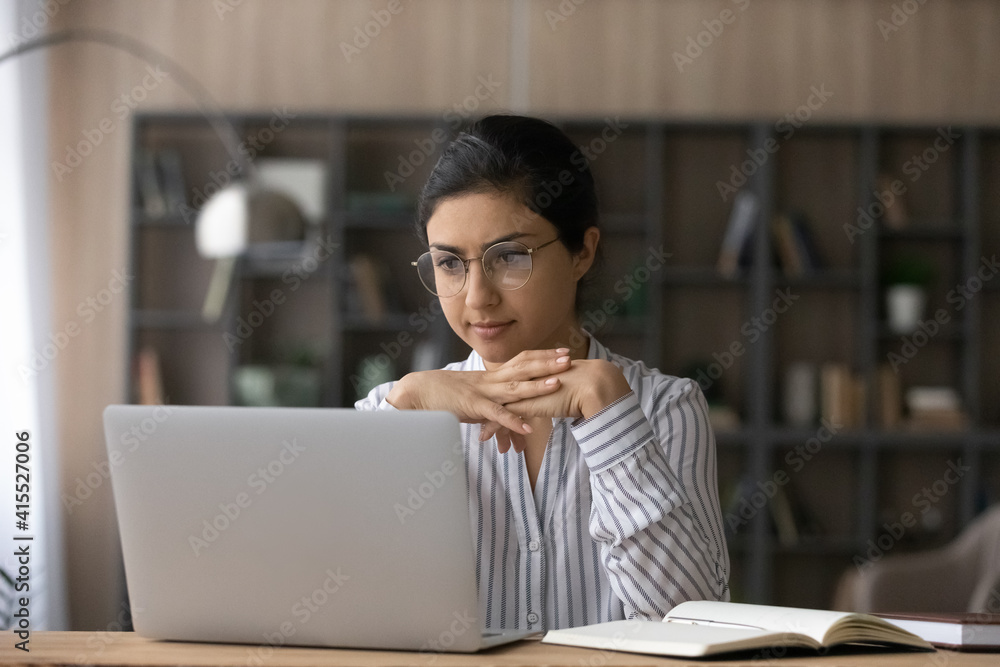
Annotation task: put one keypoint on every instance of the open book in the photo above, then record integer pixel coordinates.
(702, 628)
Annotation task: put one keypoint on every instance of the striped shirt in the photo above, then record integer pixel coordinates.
(624, 521)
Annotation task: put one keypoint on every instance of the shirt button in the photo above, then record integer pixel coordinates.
(533, 545)
(532, 617)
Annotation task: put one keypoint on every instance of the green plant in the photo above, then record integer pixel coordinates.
(909, 270)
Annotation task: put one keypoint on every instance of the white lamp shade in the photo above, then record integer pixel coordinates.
(222, 228)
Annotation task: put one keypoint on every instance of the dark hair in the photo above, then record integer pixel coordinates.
(528, 157)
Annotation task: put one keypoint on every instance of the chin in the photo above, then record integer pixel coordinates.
(493, 353)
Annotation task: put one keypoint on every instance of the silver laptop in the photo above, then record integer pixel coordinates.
(315, 527)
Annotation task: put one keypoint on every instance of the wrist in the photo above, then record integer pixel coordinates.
(610, 385)
(401, 395)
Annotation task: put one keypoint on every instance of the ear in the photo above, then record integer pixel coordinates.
(583, 260)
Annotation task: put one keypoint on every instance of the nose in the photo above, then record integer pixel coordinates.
(480, 291)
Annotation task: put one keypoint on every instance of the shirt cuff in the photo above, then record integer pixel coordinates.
(612, 434)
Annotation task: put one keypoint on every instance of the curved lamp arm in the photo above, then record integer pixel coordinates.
(207, 105)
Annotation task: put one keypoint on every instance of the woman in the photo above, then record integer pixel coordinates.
(592, 480)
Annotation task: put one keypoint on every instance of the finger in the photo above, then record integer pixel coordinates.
(510, 392)
(498, 413)
(504, 441)
(533, 364)
(487, 430)
(540, 406)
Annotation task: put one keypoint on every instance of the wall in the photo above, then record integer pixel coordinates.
(560, 58)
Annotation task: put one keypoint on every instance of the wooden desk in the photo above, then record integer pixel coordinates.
(125, 648)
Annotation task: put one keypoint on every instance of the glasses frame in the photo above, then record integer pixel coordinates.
(467, 262)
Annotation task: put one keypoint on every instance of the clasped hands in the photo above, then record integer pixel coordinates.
(535, 383)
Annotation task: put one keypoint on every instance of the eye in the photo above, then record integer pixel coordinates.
(511, 257)
(447, 263)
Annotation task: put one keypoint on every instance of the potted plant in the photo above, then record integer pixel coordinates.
(906, 279)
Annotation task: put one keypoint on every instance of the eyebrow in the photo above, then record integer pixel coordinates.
(457, 251)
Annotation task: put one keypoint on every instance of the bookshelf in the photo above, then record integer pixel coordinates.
(664, 219)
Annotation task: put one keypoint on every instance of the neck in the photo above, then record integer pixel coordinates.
(572, 337)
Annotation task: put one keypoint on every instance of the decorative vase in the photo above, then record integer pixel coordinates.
(904, 306)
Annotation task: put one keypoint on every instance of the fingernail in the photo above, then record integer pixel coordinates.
(552, 381)
(525, 428)
(563, 350)
(562, 360)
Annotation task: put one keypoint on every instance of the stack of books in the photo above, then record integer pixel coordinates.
(934, 409)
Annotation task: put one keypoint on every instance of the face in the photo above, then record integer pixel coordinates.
(498, 323)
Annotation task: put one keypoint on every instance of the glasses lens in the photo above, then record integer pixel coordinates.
(442, 273)
(508, 264)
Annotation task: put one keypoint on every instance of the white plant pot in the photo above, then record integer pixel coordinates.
(905, 307)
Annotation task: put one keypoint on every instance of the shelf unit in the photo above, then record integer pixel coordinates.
(659, 191)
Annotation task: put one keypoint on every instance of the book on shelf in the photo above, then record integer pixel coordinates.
(794, 245)
(960, 631)
(843, 396)
(895, 216)
(149, 378)
(703, 628)
(739, 232)
(171, 175)
(160, 183)
(785, 246)
(783, 517)
(890, 397)
(934, 409)
(366, 294)
(151, 198)
(790, 518)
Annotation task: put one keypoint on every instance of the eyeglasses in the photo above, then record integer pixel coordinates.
(506, 264)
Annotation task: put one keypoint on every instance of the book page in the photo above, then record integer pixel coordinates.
(674, 639)
(813, 623)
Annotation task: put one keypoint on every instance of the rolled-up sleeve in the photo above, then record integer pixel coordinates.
(655, 511)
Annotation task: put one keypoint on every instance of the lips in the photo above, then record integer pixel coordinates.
(490, 330)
